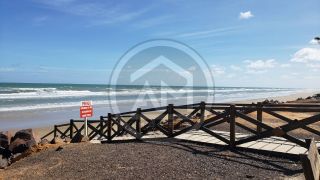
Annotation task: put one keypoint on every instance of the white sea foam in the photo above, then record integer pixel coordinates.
(219, 97)
(39, 93)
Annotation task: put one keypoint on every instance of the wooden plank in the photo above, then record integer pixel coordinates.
(259, 116)
(214, 140)
(258, 145)
(215, 135)
(109, 127)
(248, 144)
(290, 120)
(170, 119)
(311, 162)
(246, 128)
(294, 109)
(270, 146)
(283, 148)
(253, 121)
(297, 150)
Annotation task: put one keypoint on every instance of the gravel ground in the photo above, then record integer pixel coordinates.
(170, 159)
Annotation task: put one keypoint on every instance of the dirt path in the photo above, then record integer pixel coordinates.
(149, 160)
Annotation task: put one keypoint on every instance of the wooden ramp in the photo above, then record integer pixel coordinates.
(272, 144)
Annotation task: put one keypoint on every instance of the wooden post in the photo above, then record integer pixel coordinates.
(259, 116)
(101, 127)
(202, 111)
(170, 119)
(138, 122)
(71, 128)
(55, 131)
(232, 116)
(109, 126)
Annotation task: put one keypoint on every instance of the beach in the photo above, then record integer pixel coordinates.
(43, 122)
(187, 160)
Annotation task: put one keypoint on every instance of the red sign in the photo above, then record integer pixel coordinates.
(86, 103)
(86, 109)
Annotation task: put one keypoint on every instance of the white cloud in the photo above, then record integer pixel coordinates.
(217, 70)
(314, 42)
(97, 13)
(259, 66)
(245, 15)
(313, 65)
(285, 65)
(235, 68)
(208, 33)
(307, 55)
(153, 21)
(231, 75)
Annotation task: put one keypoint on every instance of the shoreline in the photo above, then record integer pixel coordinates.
(284, 98)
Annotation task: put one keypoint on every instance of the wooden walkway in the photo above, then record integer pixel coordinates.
(264, 127)
(272, 144)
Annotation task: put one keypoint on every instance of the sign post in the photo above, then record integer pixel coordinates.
(86, 111)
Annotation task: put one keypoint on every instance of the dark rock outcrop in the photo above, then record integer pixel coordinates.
(5, 157)
(5, 139)
(22, 141)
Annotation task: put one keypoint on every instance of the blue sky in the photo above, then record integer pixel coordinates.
(245, 43)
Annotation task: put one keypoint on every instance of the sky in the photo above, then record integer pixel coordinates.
(245, 43)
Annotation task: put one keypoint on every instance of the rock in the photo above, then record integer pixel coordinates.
(5, 158)
(4, 142)
(44, 142)
(5, 139)
(5, 153)
(3, 162)
(22, 141)
(19, 146)
(26, 134)
(57, 140)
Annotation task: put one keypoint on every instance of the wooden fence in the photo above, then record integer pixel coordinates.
(175, 120)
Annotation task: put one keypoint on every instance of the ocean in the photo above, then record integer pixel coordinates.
(25, 96)
(42, 103)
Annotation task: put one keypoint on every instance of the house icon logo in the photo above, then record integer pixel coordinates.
(158, 72)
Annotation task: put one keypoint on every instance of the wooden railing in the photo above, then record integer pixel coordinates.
(202, 116)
